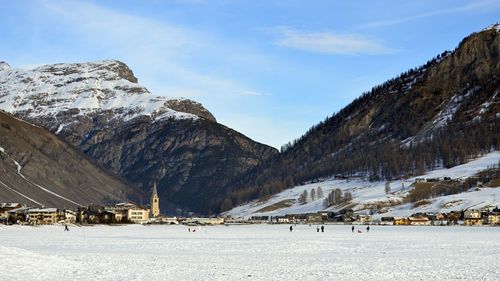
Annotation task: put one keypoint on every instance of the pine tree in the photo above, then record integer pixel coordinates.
(303, 197)
(387, 187)
(313, 194)
(319, 192)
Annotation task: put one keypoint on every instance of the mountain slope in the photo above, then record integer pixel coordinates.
(440, 114)
(371, 198)
(36, 168)
(100, 109)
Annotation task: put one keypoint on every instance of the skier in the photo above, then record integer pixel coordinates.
(291, 228)
(352, 229)
(322, 228)
(367, 229)
(66, 228)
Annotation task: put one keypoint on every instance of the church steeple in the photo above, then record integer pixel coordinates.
(155, 202)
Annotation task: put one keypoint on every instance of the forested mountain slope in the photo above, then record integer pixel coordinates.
(437, 115)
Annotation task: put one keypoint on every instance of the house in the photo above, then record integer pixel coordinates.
(364, 219)
(208, 221)
(282, 220)
(473, 217)
(401, 221)
(43, 216)
(386, 220)
(169, 220)
(438, 219)
(493, 219)
(314, 218)
(138, 214)
(18, 215)
(454, 217)
(70, 216)
(259, 219)
(419, 220)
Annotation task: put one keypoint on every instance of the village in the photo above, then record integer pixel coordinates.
(130, 213)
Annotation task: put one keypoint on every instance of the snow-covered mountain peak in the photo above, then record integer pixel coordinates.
(87, 88)
(4, 66)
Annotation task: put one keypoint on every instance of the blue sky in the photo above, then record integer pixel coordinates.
(269, 69)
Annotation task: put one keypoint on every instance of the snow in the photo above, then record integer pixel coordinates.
(19, 193)
(89, 87)
(365, 193)
(495, 26)
(19, 167)
(249, 252)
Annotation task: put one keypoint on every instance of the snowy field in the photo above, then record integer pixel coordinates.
(249, 252)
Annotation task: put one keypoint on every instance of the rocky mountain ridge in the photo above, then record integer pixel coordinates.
(100, 109)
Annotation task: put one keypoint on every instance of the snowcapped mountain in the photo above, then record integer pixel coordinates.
(85, 89)
(100, 109)
(371, 197)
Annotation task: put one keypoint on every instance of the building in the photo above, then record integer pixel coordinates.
(43, 216)
(473, 217)
(493, 219)
(419, 220)
(401, 221)
(314, 218)
(364, 219)
(138, 214)
(155, 202)
(70, 216)
(204, 221)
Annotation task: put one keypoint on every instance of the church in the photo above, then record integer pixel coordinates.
(155, 203)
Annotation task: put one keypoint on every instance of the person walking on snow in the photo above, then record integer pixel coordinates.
(66, 228)
(291, 228)
(367, 229)
(322, 228)
(352, 229)
(317, 228)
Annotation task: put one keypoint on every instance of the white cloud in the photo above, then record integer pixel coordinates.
(466, 8)
(329, 43)
(155, 50)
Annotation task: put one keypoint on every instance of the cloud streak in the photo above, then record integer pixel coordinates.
(330, 43)
(396, 21)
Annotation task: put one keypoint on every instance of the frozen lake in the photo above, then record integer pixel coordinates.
(249, 252)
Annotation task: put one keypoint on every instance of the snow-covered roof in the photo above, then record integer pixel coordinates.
(44, 210)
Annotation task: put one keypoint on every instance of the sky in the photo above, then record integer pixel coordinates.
(268, 69)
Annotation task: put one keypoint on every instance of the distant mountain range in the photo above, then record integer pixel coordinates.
(101, 110)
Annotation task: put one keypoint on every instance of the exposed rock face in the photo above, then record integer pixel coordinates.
(100, 109)
(37, 168)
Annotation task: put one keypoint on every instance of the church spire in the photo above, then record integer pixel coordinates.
(155, 202)
(155, 192)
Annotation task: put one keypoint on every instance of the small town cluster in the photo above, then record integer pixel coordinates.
(126, 212)
(121, 213)
(485, 216)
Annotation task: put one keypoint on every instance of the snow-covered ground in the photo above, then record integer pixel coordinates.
(249, 252)
(365, 193)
